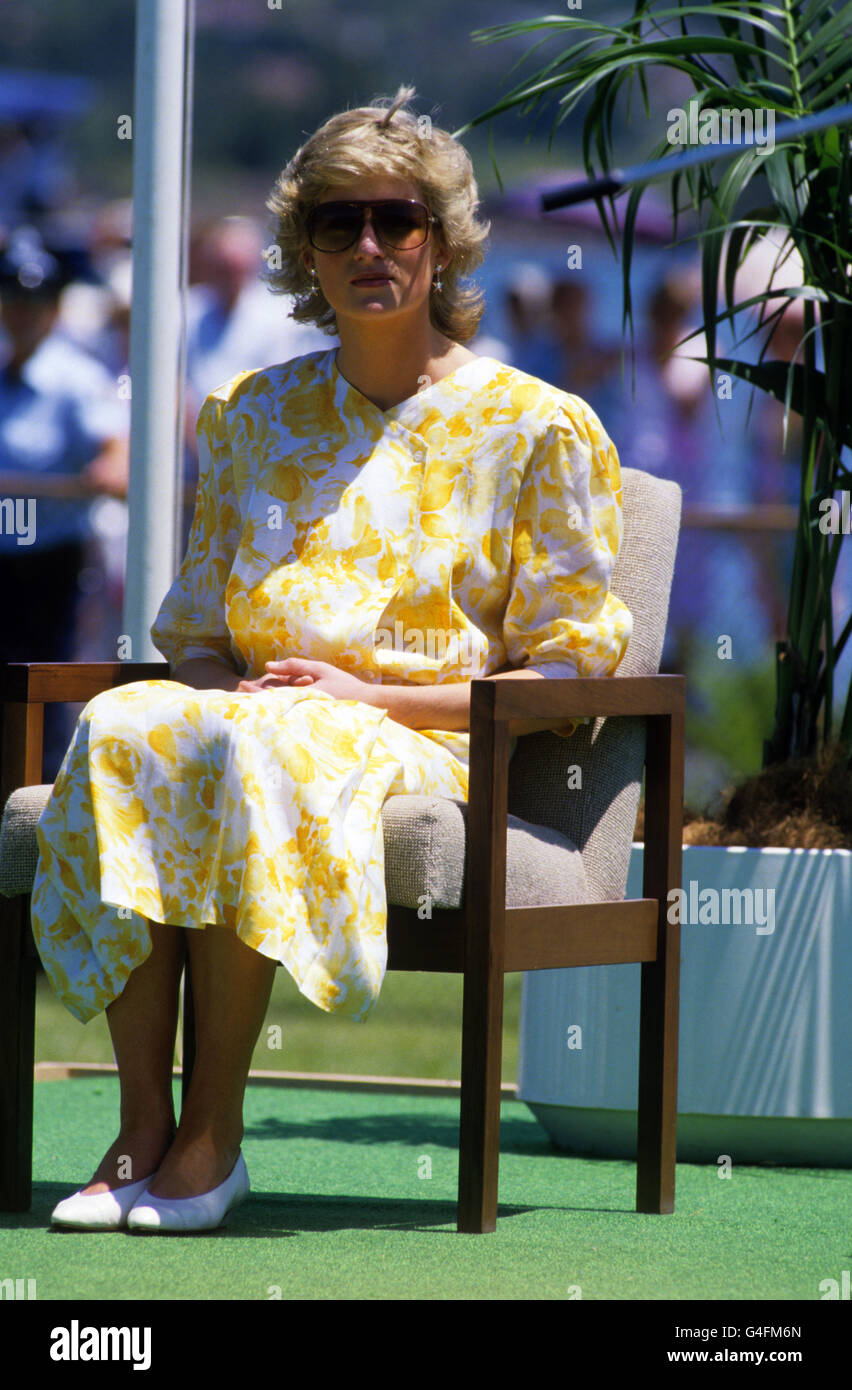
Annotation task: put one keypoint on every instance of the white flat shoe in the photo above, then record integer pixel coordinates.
(202, 1213)
(100, 1211)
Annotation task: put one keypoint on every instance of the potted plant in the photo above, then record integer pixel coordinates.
(765, 1031)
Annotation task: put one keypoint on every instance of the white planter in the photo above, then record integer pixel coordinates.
(765, 1064)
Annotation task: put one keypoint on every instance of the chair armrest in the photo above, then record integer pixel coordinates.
(52, 682)
(580, 697)
(27, 686)
(493, 705)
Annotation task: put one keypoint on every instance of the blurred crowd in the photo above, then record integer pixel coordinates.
(65, 389)
(65, 392)
(665, 416)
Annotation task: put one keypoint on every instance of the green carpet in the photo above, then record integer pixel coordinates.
(342, 1207)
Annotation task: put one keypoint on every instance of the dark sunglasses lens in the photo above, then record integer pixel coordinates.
(401, 224)
(336, 226)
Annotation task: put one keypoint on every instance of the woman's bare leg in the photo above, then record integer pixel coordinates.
(231, 985)
(143, 1024)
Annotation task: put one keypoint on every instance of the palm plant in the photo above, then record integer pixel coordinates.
(780, 60)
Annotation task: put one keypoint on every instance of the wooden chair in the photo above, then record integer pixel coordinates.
(528, 875)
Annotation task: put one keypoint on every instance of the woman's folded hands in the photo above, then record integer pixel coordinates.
(298, 670)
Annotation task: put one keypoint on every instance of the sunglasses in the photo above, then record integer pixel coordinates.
(398, 222)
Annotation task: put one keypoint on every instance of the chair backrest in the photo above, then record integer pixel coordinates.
(599, 814)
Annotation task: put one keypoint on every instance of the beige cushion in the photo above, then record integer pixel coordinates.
(18, 847)
(425, 839)
(599, 815)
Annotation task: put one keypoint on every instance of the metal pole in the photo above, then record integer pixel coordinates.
(186, 204)
(155, 324)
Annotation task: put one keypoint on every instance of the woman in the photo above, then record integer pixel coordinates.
(374, 527)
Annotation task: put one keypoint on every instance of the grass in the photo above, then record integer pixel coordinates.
(414, 1030)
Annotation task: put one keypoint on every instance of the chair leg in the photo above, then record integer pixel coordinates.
(656, 1143)
(188, 1033)
(658, 1025)
(481, 1078)
(17, 1052)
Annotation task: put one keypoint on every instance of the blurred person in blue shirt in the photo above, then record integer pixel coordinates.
(95, 311)
(586, 366)
(63, 441)
(531, 344)
(678, 426)
(233, 322)
(34, 173)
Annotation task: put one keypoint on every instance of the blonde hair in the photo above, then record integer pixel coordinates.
(388, 138)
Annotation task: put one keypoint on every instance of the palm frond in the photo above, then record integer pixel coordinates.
(788, 58)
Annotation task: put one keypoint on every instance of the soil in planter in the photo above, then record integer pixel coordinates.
(802, 804)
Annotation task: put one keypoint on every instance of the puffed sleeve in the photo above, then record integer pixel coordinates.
(191, 621)
(561, 618)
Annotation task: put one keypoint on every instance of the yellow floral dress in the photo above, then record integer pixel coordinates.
(473, 524)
